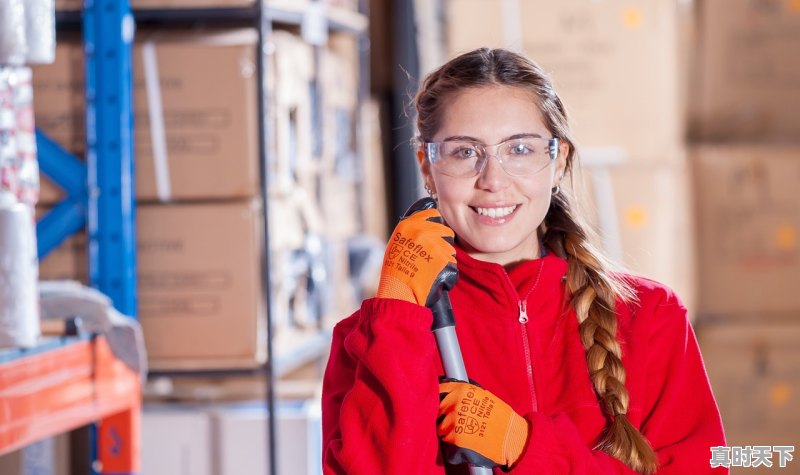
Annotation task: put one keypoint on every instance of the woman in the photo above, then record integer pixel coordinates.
(581, 370)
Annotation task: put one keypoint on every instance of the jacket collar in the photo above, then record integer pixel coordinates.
(521, 278)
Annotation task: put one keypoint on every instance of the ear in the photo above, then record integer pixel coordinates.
(561, 161)
(424, 166)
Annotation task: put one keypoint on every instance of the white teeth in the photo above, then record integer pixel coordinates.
(496, 212)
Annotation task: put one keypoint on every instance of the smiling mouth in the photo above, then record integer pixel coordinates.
(495, 212)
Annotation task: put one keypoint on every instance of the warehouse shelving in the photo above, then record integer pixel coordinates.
(66, 383)
(291, 13)
(107, 206)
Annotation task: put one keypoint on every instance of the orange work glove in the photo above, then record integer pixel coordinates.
(485, 431)
(420, 261)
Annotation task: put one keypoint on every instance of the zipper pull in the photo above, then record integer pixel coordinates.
(523, 311)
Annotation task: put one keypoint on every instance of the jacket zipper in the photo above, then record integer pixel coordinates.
(523, 320)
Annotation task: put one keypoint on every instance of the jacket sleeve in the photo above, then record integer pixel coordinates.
(380, 392)
(680, 415)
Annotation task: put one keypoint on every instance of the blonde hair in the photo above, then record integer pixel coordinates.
(593, 288)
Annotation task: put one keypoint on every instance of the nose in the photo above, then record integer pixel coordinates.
(492, 176)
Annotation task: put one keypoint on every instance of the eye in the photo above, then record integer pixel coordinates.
(465, 152)
(521, 148)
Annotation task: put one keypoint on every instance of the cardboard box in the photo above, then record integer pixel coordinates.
(200, 290)
(748, 212)
(338, 78)
(340, 206)
(756, 380)
(292, 80)
(191, 439)
(176, 440)
(747, 86)
(68, 261)
(242, 436)
(59, 96)
(616, 64)
(199, 284)
(206, 83)
(340, 169)
(643, 214)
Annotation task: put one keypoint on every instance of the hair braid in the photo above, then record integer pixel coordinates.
(594, 293)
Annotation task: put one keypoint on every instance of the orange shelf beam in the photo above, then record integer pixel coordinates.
(68, 387)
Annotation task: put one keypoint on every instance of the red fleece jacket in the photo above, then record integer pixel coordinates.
(380, 391)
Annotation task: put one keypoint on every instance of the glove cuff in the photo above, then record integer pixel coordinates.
(390, 287)
(516, 439)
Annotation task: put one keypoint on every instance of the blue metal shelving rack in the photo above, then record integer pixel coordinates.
(100, 193)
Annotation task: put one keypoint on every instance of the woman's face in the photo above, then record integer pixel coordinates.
(476, 207)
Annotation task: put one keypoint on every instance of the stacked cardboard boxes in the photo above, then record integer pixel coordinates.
(198, 217)
(314, 179)
(745, 86)
(619, 68)
(746, 165)
(748, 222)
(193, 139)
(230, 439)
(754, 373)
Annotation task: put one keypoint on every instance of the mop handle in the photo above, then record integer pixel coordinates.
(444, 330)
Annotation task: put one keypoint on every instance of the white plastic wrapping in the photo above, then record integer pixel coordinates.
(19, 271)
(19, 186)
(40, 31)
(62, 299)
(9, 178)
(13, 46)
(27, 163)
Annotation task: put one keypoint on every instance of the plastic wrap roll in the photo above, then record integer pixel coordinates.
(40, 31)
(9, 178)
(19, 299)
(13, 47)
(27, 163)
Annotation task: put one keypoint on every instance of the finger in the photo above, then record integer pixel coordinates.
(436, 219)
(429, 234)
(427, 215)
(428, 227)
(450, 402)
(446, 428)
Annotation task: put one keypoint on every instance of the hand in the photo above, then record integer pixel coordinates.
(419, 263)
(484, 430)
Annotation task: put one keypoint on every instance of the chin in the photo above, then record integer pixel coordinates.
(490, 246)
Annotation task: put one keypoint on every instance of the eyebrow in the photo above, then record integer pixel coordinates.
(473, 139)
